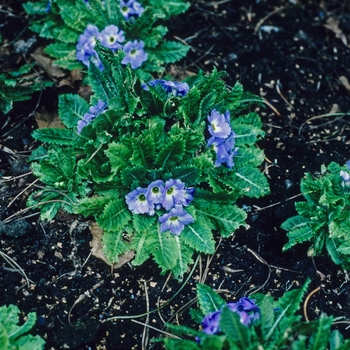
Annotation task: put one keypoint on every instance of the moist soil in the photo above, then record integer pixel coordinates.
(296, 55)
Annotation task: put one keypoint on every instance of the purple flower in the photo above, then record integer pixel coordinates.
(224, 146)
(130, 8)
(248, 311)
(171, 87)
(111, 37)
(175, 220)
(137, 201)
(93, 112)
(155, 192)
(135, 54)
(188, 196)
(211, 322)
(175, 193)
(86, 47)
(219, 127)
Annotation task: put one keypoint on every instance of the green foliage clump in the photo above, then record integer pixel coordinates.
(145, 136)
(323, 219)
(66, 20)
(280, 326)
(18, 85)
(12, 335)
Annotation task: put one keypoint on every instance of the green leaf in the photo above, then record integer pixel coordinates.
(143, 151)
(236, 332)
(171, 153)
(319, 339)
(299, 230)
(114, 245)
(189, 175)
(189, 105)
(164, 250)
(199, 236)
(115, 216)
(333, 251)
(226, 218)
(71, 109)
(252, 182)
(54, 136)
(119, 156)
(92, 206)
(184, 259)
(170, 51)
(12, 334)
(209, 301)
(61, 50)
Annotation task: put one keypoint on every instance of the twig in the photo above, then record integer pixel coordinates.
(8, 219)
(307, 301)
(259, 258)
(259, 24)
(29, 186)
(156, 329)
(272, 107)
(16, 267)
(278, 203)
(166, 303)
(145, 333)
(321, 116)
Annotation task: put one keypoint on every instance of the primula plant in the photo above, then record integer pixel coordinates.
(254, 324)
(323, 219)
(136, 27)
(159, 165)
(13, 335)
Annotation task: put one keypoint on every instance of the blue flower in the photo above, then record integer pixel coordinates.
(224, 146)
(175, 193)
(219, 126)
(211, 322)
(175, 220)
(111, 37)
(94, 111)
(86, 47)
(348, 164)
(137, 201)
(135, 54)
(171, 87)
(247, 310)
(130, 8)
(155, 192)
(188, 195)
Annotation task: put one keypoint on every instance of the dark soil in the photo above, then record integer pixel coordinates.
(278, 49)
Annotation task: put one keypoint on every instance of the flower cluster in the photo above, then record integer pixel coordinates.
(94, 111)
(247, 310)
(112, 38)
(222, 139)
(173, 88)
(171, 195)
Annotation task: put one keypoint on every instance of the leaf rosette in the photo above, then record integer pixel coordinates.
(137, 134)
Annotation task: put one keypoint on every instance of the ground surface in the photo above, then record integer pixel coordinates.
(293, 53)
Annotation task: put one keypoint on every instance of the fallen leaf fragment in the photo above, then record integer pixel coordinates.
(47, 119)
(48, 64)
(333, 24)
(97, 248)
